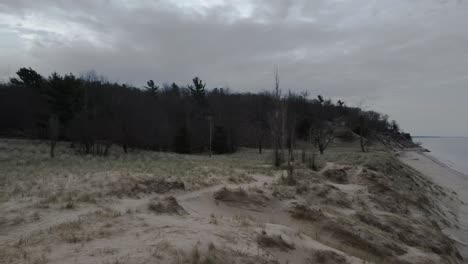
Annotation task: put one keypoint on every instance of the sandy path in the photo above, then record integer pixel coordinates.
(259, 181)
(449, 178)
(48, 220)
(52, 218)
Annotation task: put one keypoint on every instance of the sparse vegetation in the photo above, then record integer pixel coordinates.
(366, 206)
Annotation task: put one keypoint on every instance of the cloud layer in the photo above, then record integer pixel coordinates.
(407, 58)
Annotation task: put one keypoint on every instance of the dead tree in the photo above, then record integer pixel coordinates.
(291, 137)
(278, 123)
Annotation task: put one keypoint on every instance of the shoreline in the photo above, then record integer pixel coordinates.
(451, 179)
(449, 151)
(444, 164)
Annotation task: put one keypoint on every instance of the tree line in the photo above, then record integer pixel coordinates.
(94, 114)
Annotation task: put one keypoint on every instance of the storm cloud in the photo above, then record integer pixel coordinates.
(406, 58)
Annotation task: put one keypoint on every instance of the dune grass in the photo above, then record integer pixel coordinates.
(26, 170)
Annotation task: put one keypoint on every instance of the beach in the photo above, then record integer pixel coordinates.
(447, 177)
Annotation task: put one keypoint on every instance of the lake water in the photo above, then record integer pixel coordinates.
(451, 151)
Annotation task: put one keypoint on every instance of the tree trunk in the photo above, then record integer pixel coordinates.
(292, 139)
(211, 132)
(52, 148)
(362, 144)
(361, 133)
(54, 133)
(290, 149)
(312, 164)
(106, 151)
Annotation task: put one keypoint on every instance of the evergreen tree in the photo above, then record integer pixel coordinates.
(197, 89)
(28, 77)
(64, 96)
(151, 87)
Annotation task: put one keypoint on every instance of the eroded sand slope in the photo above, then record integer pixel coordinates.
(451, 179)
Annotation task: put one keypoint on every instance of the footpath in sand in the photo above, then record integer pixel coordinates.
(445, 176)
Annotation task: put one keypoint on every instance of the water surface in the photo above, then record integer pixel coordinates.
(451, 151)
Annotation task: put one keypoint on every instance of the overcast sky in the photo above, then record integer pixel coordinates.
(406, 58)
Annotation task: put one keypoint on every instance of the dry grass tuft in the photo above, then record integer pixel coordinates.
(167, 205)
(336, 175)
(252, 197)
(241, 177)
(374, 221)
(135, 186)
(326, 257)
(302, 211)
(329, 195)
(215, 255)
(274, 241)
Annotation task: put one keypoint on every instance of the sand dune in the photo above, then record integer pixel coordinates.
(446, 177)
(149, 207)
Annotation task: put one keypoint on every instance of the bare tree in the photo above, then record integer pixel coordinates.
(291, 129)
(363, 127)
(278, 123)
(260, 119)
(324, 136)
(324, 133)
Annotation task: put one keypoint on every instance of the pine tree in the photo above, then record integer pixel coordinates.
(197, 89)
(28, 77)
(152, 88)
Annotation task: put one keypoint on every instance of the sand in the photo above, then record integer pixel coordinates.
(148, 207)
(445, 176)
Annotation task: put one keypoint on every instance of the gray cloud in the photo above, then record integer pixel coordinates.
(407, 58)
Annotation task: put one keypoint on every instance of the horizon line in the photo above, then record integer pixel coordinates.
(439, 136)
